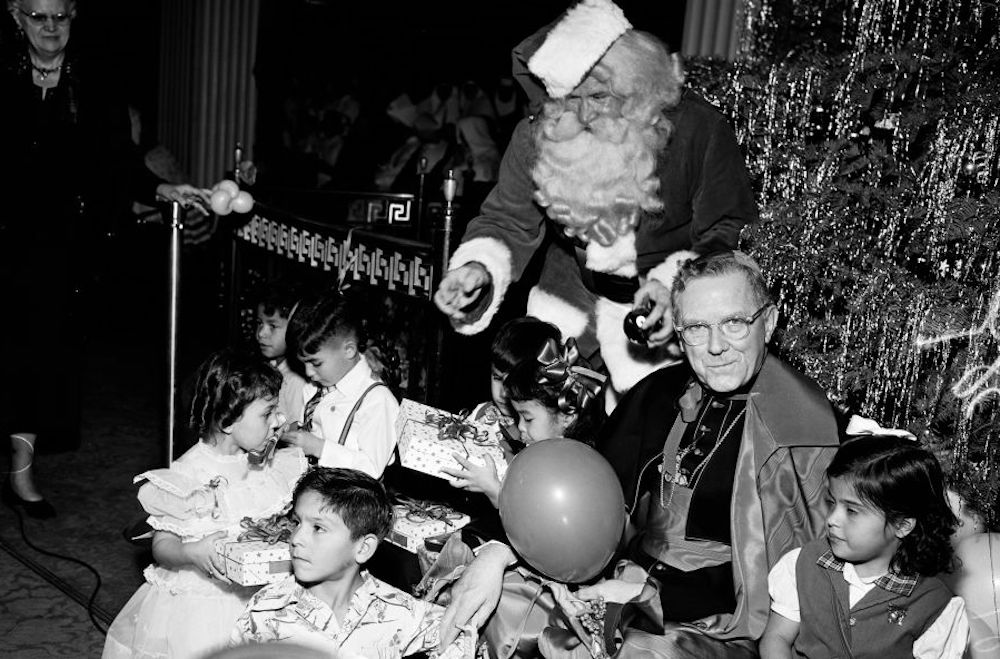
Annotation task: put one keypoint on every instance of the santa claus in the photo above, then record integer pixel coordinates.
(619, 176)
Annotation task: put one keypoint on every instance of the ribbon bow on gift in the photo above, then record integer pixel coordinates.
(419, 512)
(274, 529)
(457, 428)
(579, 384)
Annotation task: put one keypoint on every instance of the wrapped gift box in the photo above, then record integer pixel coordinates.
(410, 529)
(427, 444)
(256, 562)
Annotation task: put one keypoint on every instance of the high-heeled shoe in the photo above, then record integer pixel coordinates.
(40, 509)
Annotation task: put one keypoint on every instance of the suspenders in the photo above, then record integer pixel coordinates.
(350, 417)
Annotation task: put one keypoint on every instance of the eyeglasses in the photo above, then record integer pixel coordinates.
(39, 19)
(735, 328)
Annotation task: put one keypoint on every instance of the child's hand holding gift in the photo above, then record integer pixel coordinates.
(310, 444)
(477, 478)
(202, 554)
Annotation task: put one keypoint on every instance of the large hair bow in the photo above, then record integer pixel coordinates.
(559, 367)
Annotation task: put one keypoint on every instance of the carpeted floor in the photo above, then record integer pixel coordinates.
(122, 434)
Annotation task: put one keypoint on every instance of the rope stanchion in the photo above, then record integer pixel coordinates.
(173, 295)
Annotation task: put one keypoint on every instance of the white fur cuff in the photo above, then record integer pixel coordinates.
(576, 43)
(543, 305)
(666, 271)
(627, 363)
(495, 256)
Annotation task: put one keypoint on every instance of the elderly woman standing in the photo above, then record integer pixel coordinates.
(64, 134)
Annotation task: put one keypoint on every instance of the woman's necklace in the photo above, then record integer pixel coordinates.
(677, 478)
(45, 71)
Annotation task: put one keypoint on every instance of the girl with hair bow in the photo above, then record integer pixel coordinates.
(556, 395)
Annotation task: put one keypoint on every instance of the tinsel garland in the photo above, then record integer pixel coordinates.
(871, 132)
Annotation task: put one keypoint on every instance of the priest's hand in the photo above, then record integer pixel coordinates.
(476, 594)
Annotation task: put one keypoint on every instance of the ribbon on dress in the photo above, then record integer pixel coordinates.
(560, 367)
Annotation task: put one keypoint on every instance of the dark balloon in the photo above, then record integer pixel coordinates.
(563, 509)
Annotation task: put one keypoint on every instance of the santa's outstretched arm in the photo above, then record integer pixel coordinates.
(505, 235)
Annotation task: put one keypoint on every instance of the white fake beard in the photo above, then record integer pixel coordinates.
(595, 181)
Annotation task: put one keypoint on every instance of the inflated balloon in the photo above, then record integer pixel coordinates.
(242, 202)
(562, 509)
(232, 187)
(220, 202)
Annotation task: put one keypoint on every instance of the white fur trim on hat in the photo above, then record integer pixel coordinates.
(627, 362)
(666, 271)
(571, 321)
(576, 43)
(495, 256)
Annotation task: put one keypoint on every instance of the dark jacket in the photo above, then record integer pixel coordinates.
(789, 438)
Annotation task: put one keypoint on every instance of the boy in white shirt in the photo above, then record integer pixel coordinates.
(349, 415)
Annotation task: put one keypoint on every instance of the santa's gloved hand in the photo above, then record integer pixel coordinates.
(462, 288)
(655, 297)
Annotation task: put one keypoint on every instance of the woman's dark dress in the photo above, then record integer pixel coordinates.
(72, 171)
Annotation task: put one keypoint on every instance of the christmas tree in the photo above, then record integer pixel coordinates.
(871, 130)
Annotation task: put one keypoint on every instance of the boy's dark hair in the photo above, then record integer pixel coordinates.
(320, 317)
(519, 340)
(279, 296)
(228, 381)
(359, 499)
(901, 479)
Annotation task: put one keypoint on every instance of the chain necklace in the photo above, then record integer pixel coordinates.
(700, 469)
(44, 72)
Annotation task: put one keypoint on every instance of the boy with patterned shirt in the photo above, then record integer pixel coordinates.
(330, 603)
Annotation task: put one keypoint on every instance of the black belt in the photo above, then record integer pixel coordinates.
(646, 562)
(613, 287)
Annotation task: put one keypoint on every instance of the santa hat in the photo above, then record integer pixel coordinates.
(576, 43)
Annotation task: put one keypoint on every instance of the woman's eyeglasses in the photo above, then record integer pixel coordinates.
(40, 19)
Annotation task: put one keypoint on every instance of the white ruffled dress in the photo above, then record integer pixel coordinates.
(182, 613)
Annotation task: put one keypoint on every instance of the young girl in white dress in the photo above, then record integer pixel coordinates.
(187, 607)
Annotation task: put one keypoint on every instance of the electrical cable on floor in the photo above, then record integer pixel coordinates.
(96, 613)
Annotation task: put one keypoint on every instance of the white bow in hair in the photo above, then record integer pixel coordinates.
(859, 425)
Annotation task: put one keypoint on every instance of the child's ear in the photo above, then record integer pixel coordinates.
(904, 527)
(566, 419)
(350, 348)
(365, 548)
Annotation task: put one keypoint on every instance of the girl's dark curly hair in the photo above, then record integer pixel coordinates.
(228, 381)
(901, 479)
(519, 340)
(524, 382)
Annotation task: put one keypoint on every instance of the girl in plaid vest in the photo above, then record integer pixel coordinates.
(870, 588)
